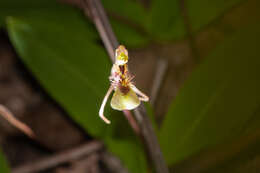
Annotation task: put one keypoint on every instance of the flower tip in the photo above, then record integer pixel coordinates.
(107, 121)
(104, 119)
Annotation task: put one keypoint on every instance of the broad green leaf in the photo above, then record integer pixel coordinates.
(165, 20)
(203, 12)
(135, 154)
(127, 9)
(20, 8)
(123, 143)
(3, 164)
(74, 70)
(42, 9)
(128, 36)
(218, 100)
(246, 159)
(133, 14)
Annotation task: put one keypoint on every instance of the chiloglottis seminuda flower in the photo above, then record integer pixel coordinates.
(126, 95)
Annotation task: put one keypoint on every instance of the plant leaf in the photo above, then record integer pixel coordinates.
(126, 34)
(3, 164)
(129, 36)
(203, 12)
(128, 9)
(50, 53)
(135, 154)
(132, 13)
(16, 7)
(166, 19)
(217, 101)
(70, 65)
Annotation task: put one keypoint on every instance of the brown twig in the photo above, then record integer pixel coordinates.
(58, 159)
(82, 165)
(158, 78)
(150, 140)
(113, 163)
(132, 122)
(6, 114)
(95, 10)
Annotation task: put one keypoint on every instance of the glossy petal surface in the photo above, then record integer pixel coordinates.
(121, 101)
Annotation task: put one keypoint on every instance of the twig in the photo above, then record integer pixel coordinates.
(83, 165)
(96, 12)
(95, 9)
(150, 140)
(58, 159)
(159, 74)
(113, 163)
(6, 114)
(132, 122)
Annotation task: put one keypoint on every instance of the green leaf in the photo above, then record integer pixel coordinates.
(58, 54)
(21, 8)
(247, 147)
(74, 69)
(218, 100)
(123, 143)
(203, 12)
(135, 154)
(132, 16)
(3, 164)
(128, 36)
(165, 20)
(128, 9)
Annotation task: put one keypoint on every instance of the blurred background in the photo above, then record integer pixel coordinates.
(198, 60)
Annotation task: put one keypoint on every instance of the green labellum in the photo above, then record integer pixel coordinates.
(121, 101)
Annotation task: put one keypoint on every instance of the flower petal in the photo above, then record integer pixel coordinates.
(121, 101)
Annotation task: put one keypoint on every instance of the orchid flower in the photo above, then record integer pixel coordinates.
(126, 96)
